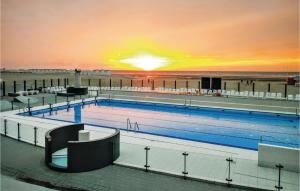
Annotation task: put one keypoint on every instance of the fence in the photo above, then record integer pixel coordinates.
(8, 86)
(23, 131)
(227, 168)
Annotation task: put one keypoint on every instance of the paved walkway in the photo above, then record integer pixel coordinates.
(21, 160)
(212, 101)
(11, 184)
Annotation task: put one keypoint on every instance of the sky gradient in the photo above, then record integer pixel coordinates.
(216, 35)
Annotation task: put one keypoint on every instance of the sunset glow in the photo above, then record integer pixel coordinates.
(206, 35)
(146, 62)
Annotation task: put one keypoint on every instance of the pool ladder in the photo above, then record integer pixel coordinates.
(186, 102)
(135, 126)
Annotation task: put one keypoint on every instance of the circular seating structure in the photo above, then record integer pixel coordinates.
(80, 156)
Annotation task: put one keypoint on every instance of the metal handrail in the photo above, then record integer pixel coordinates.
(129, 126)
(136, 126)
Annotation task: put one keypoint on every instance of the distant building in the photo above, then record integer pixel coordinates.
(61, 71)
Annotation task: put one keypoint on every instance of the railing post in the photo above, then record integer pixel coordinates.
(82, 101)
(50, 107)
(153, 85)
(25, 85)
(29, 108)
(12, 105)
(19, 136)
(184, 172)
(3, 88)
(96, 99)
(15, 86)
(228, 179)
(147, 164)
(5, 127)
(28, 103)
(285, 90)
(35, 135)
(110, 84)
(279, 187)
(43, 99)
(65, 83)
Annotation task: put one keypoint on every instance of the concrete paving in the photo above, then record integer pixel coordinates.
(211, 101)
(11, 184)
(26, 162)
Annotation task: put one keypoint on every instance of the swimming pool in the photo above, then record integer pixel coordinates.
(243, 129)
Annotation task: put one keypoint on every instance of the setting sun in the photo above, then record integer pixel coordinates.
(146, 62)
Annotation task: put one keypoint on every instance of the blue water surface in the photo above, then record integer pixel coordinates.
(243, 129)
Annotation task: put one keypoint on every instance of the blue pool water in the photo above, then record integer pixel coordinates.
(234, 128)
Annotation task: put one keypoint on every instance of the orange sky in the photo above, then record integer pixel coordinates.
(218, 35)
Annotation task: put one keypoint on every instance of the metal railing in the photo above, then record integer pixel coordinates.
(129, 126)
(230, 170)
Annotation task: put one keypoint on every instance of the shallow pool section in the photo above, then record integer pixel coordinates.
(243, 129)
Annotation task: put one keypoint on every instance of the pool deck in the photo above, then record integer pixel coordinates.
(205, 161)
(25, 162)
(258, 104)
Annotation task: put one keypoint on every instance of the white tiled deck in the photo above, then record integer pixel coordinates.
(205, 161)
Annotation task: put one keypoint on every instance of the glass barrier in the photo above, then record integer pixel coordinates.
(202, 163)
(214, 168)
